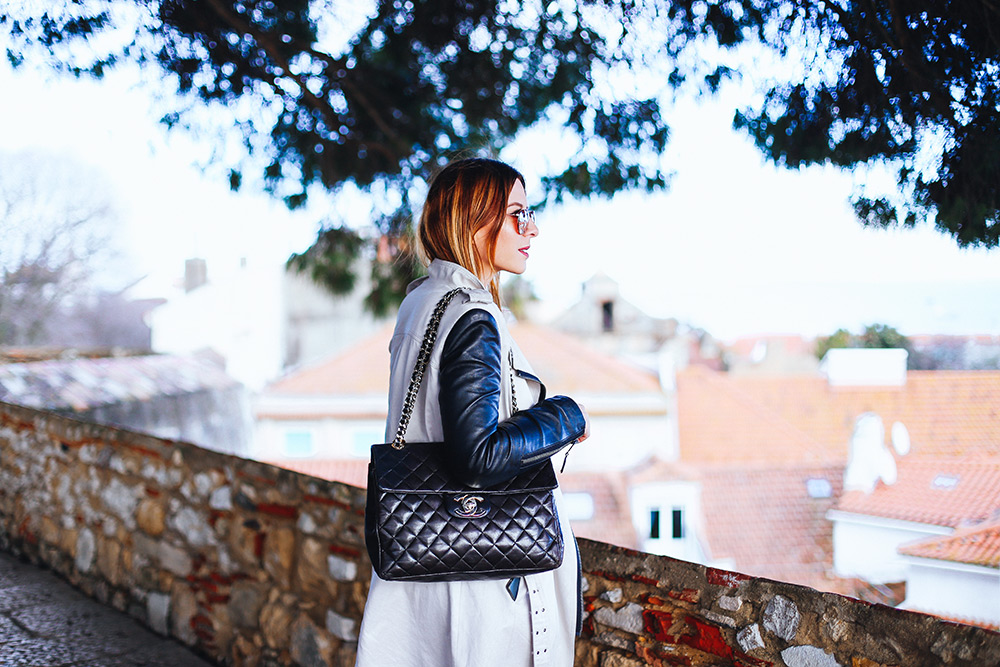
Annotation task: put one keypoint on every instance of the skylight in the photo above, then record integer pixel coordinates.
(817, 487)
(944, 482)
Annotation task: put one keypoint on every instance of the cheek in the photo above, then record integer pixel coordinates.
(481, 242)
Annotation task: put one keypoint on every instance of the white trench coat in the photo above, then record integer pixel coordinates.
(463, 623)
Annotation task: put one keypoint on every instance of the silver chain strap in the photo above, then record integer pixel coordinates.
(426, 346)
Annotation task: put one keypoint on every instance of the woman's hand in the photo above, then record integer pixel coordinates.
(586, 421)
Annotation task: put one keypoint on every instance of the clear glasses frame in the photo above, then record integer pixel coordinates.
(524, 218)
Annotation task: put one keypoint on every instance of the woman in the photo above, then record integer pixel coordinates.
(475, 223)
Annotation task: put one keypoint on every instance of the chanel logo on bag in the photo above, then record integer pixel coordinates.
(468, 506)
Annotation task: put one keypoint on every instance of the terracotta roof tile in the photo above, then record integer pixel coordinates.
(974, 545)
(801, 418)
(565, 364)
(722, 420)
(766, 521)
(568, 365)
(361, 369)
(934, 490)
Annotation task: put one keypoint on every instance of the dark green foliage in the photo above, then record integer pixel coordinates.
(329, 260)
(874, 336)
(912, 84)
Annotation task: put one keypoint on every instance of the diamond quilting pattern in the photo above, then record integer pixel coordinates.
(411, 534)
(420, 469)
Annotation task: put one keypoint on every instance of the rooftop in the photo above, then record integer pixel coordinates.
(933, 490)
(974, 545)
(567, 366)
(802, 419)
(81, 384)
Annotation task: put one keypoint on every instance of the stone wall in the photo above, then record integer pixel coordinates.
(246, 563)
(652, 610)
(253, 565)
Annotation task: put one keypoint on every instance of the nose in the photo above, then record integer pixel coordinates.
(532, 230)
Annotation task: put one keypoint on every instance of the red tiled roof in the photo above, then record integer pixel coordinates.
(353, 472)
(362, 369)
(802, 419)
(722, 420)
(566, 366)
(933, 490)
(973, 545)
(764, 519)
(790, 343)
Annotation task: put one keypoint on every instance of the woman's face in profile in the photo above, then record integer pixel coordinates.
(512, 247)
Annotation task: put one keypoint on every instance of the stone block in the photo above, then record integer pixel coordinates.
(49, 531)
(275, 622)
(781, 617)
(341, 627)
(193, 526)
(121, 501)
(614, 596)
(86, 547)
(618, 660)
(628, 618)
(245, 652)
(169, 557)
(221, 499)
(749, 638)
(307, 524)
(245, 601)
(615, 640)
(808, 656)
(279, 551)
(183, 607)
(203, 484)
(730, 602)
(158, 612)
(151, 517)
(311, 646)
(721, 619)
(108, 560)
(312, 567)
(341, 569)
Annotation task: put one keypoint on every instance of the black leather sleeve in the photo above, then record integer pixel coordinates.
(481, 450)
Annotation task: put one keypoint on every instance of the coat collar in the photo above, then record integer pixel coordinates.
(449, 273)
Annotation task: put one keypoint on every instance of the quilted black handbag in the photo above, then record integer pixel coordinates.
(422, 525)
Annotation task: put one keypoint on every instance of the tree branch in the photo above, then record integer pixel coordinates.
(274, 52)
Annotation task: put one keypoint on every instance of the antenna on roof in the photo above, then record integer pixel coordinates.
(870, 460)
(900, 438)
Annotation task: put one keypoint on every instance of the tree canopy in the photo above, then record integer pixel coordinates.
(911, 84)
(874, 336)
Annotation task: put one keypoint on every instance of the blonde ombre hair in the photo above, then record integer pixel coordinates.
(464, 197)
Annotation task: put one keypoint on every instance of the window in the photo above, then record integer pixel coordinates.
(608, 316)
(579, 506)
(944, 482)
(362, 441)
(298, 444)
(817, 487)
(654, 524)
(677, 523)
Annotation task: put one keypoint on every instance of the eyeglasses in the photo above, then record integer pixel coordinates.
(525, 217)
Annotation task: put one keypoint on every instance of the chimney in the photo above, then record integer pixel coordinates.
(195, 273)
(864, 367)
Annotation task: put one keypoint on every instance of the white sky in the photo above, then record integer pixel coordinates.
(736, 246)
